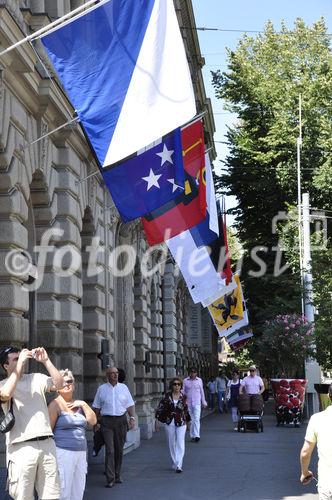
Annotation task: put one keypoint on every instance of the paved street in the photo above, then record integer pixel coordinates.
(224, 465)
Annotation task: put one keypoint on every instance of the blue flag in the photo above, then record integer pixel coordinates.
(125, 70)
(202, 234)
(207, 231)
(147, 180)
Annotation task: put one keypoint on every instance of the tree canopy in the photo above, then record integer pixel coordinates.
(265, 77)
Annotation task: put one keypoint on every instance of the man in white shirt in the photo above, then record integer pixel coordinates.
(31, 455)
(319, 431)
(112, 401)
(252, 383)
(193, 389)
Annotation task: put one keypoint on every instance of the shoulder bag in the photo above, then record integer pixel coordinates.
(7, 421)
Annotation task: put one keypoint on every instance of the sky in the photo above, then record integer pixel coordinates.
(243, 15)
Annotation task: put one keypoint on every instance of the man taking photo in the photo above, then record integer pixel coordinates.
(31, 456)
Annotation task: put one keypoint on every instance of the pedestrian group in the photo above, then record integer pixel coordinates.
(46, 446)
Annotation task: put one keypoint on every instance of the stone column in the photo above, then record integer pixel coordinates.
(169, 321)
(157, 370)
(14, 193)
(142, 343)
(94, 292)
(60, 322)
(124, 315)
(14, 300)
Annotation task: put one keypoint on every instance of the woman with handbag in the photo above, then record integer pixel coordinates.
(69, 419)
(173, 412)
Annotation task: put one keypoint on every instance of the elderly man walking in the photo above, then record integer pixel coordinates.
(31, 455)
(193, 389)
(319, 431)
(111, 404)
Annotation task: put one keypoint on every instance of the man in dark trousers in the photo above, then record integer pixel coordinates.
(112, 403)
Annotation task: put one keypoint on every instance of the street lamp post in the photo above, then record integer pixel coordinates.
(312, 368)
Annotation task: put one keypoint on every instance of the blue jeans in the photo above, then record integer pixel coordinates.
(221, 401)
(211, 401)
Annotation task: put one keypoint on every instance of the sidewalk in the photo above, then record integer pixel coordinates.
(224, 465)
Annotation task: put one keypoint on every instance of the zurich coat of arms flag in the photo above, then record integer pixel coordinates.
(124, 68)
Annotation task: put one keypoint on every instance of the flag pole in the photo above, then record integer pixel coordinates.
(48, 27)
(88, 177)
(299, 201)
(312, 368)
(73, 120)
(307, 267)
(193, 120)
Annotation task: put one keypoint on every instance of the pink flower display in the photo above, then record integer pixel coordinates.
(286, 341)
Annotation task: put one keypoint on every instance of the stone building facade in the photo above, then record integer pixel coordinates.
(55, 208)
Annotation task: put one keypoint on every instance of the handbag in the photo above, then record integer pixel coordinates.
(98, 442)
(8, 420)
(163, 411)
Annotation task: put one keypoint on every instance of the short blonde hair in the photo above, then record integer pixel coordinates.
(67, 373)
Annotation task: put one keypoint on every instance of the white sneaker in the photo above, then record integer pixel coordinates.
(235, 428)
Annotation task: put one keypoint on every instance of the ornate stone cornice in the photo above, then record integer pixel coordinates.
(13, 6)
(128, 231)
(43, 144)
(114, 216)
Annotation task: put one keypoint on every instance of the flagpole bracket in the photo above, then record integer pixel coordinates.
(87, 177)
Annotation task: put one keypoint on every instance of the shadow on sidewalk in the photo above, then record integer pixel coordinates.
(223, 465)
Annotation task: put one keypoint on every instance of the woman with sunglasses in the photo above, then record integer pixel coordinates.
(69, 419)
(173, 411)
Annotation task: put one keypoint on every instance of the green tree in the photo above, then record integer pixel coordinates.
(234, 245)
(322, 265)
(284, 345)
(243, 358)
(266, 74)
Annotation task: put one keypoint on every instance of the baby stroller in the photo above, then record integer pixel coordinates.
(250, 411)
